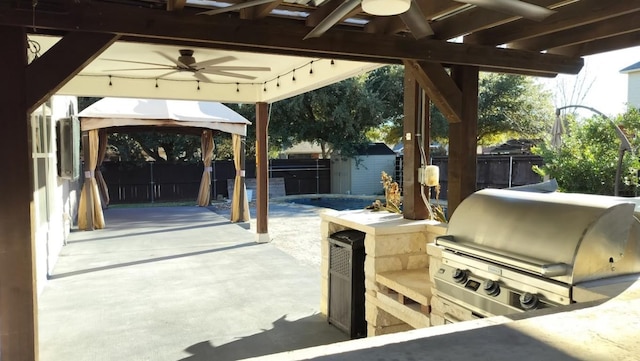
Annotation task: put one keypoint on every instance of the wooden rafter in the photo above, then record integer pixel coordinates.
(260, 11)
(603, 29)
(573, 15)
(477, 19)
(50, 72)
(600, 46)
(176, 5)
(439, 86)
(259, 36)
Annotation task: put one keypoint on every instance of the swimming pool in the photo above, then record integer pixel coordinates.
(337, 203)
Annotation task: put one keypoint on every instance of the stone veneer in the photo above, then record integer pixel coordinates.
(392, 243)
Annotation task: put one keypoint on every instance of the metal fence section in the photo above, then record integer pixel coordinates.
(160, 182)
(493, 171)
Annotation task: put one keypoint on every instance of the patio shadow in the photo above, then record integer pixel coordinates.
(283, 336)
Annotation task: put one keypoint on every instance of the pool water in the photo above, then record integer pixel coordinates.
(339, 204)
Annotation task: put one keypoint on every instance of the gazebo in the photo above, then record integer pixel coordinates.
(107, 114)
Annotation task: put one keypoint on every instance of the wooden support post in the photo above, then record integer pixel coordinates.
(463, 139)
(414, 113)
(87, 189)
(18, 291)
(262, 176)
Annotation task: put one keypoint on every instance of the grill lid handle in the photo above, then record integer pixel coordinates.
(520, 262)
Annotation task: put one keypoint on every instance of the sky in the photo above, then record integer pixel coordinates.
(608, 92)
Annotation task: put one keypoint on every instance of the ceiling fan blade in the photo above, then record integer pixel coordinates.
(415, 20)
(134, 69)
(169, 73)
(175, 61)
(238, 68)
(229, 74)
(138, 62)
(233, 7)
(202, 78)
(513, 7)
(333, 18)
(215, 61)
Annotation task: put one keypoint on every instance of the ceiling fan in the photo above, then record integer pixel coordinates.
(408, 10)
(187, 63)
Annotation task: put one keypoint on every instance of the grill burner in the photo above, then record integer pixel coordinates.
(510, 251)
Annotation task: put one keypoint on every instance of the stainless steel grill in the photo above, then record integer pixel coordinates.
(510, 251)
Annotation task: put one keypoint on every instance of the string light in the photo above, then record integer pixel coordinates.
(275, 79)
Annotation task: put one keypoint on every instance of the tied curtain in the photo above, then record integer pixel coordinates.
(239, 203)
(90, 205)
(207, 146)
(102, 185)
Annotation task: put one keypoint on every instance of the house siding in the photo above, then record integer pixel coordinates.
(366, 171)
(633, 89)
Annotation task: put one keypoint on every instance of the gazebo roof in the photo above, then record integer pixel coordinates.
(118, 112)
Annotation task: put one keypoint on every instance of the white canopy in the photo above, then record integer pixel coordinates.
(117, 112)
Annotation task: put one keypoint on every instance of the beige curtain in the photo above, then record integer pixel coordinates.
(102, 185)
(90, 196)
(206, 145)
(239, 203)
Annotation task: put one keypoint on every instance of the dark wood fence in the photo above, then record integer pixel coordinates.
(158, 182)
(494, 171)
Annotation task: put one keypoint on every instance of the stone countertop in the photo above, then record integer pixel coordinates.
(378, 223)
(605, 330)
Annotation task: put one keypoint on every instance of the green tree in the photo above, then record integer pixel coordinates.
(508, 106)
(587, 159)
(336, 117)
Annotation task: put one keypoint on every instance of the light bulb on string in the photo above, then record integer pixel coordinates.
(294, 75)
(110, 84)
(156, 83)
(237, 87)
(198, 84)
(264, 86)
(278, 82)
(311, 67)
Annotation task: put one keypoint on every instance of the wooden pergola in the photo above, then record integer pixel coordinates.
(443, 44)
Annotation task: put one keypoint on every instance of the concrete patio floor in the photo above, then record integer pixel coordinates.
(177, 283)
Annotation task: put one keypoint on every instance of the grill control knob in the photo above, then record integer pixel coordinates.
(459, 276)
(491, 288)
(528, 301)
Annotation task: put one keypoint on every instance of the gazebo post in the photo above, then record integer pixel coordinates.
(262, 176)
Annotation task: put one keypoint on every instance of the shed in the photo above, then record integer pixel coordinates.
(633, 84)
(361, 174)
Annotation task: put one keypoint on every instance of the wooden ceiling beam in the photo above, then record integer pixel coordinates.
(175, 5)
(478, 18)
(282, 35)
(570, 16)
(260, 11)
(439, 86)
(51, 71)
(600, 46)
(603, 29)
(324, 10)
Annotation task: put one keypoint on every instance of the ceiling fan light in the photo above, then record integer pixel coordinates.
(385, 7)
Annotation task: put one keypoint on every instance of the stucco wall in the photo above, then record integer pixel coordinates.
(53, 218)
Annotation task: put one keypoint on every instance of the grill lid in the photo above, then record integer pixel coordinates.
(564, 236)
